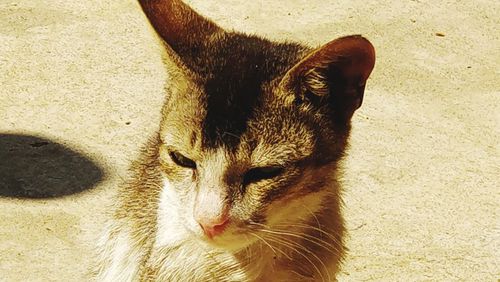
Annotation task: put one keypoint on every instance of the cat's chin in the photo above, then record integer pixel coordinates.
(232, 243)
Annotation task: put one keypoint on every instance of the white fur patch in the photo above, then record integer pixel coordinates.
(121, 262)
(171, 231)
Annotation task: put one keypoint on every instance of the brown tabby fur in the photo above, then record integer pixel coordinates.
(237, 102)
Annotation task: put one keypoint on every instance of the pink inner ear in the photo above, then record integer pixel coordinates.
(353, 55)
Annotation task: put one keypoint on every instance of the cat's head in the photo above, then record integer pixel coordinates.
(252, 131)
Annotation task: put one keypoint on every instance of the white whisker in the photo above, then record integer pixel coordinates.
(317, 241)
(269, 245)
(293, 246)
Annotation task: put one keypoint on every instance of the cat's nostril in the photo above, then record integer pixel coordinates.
(213, 228)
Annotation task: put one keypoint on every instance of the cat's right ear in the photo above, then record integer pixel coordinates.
(333, 74)
(179, 26)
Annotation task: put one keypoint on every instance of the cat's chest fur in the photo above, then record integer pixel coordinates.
(187, 260)
(209, 265)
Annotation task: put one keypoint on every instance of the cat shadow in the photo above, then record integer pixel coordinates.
(35, 167)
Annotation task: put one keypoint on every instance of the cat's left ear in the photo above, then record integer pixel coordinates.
(335, 73)
(182, 28)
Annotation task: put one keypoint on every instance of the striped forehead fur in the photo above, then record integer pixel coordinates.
(233, 82)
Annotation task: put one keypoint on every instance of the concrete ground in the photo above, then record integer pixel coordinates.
(81, 88)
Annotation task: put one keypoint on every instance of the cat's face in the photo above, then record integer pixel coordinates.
(252, 131)
(275, 172)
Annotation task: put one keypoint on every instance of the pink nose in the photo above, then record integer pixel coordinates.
(214, 226)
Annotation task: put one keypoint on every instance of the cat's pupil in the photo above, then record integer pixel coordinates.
(261, 173)
(181, 160)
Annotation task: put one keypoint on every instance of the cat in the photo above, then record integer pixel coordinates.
(240, 183)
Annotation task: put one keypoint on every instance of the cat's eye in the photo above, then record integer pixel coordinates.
(181, 160)
(260, 173)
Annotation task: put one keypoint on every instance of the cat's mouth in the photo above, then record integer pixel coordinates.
(233, 238)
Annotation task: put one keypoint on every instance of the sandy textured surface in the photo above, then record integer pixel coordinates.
(421, 183)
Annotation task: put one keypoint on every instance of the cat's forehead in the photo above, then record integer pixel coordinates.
(263, 133)
(231, 76)
(232, 99)
(235, 77)
(278, 135)
(270, 137)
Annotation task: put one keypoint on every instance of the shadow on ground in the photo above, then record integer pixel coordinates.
(34, 167)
